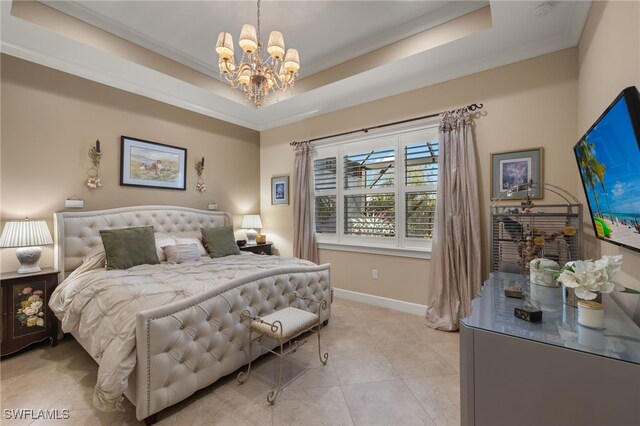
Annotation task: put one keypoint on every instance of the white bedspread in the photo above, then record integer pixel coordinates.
(101, 306)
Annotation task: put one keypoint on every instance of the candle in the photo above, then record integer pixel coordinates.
(590, 314)
(97, 145)
(202, 163)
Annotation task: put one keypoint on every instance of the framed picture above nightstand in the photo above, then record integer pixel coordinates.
(26, 317)
(258, 248)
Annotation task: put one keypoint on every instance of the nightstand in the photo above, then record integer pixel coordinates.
(26, 317)
(258, 248)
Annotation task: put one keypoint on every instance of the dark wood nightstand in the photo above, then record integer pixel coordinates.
(258, 248)
(26, 317)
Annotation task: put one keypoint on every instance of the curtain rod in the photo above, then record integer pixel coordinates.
(471, 107)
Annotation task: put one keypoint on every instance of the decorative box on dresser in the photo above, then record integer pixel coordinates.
(258, 248)
(553, 372)
(26, 317)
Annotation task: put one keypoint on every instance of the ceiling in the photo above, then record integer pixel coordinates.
(352, 52)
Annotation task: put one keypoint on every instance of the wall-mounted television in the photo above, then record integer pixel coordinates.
(608, 157)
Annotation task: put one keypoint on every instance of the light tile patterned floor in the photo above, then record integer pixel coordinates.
(385, 367)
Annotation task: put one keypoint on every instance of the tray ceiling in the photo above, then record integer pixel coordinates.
(352, 52)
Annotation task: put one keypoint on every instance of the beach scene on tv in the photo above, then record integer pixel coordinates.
(609, 162)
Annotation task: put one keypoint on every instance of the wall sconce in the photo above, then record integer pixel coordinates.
(200, 186)
(93, 181)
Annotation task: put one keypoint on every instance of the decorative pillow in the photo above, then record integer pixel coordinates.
(129, 247)
(161, 241)
(196, 241)
(220, 241)
(181, 253)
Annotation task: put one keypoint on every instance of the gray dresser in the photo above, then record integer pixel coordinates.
(554, 372)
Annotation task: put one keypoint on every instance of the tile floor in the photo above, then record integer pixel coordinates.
(385, 367)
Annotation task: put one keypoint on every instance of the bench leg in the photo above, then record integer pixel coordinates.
(323, 356)
(242, 376)
(271, 398)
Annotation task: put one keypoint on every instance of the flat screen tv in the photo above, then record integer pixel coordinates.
(608, 157)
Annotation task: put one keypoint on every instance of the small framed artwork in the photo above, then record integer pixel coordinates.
(513, 168)
(152, 164)
(280, 190)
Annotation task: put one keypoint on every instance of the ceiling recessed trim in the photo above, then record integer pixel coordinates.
(80, 11)
(477, 52)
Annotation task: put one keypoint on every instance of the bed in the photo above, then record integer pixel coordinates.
(155, 349)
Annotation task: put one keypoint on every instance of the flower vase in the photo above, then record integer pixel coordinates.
(569, 297)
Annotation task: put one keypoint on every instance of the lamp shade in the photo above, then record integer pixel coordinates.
(224, 46)
(25, 233)
(244, 77)
(248, 39)
(275, 47)
(251, 221)
(291, 61)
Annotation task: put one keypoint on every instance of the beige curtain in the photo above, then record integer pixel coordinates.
(454, 278)
(304, 226)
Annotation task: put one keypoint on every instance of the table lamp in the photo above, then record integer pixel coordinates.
(27, 235)
(250, 222)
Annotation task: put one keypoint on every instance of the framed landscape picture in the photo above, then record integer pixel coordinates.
(280, 190)
(151, 164)
(509, 169)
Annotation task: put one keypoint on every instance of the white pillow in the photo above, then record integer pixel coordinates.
(95, 258)
(196, 241)
(161, 241)
(181, 253)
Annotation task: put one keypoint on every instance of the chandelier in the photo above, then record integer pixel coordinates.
(257, 74)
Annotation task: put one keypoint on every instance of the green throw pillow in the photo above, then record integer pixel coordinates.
(220, 241)
(129, 247)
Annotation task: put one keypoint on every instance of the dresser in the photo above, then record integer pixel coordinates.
(554, 372)
(26, 317)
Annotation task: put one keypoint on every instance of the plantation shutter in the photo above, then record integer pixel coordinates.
(325, 174)
(421, 177)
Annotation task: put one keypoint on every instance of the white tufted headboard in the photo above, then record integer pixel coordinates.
(77, 232)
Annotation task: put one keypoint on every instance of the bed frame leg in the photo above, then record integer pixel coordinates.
(152, 419)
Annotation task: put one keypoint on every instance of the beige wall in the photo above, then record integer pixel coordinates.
(609, 61)
(527, 104)
(50, 119)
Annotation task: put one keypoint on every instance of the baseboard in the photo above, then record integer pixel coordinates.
(384, 302)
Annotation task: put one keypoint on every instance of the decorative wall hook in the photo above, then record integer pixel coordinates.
(200, 186)
(95, 154)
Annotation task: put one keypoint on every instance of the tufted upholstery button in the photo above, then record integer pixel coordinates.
(181, 327)
(167, 349)
(166, 385)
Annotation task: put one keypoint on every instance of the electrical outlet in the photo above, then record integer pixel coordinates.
(374, 274)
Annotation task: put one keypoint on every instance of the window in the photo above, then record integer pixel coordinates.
(378, 191)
